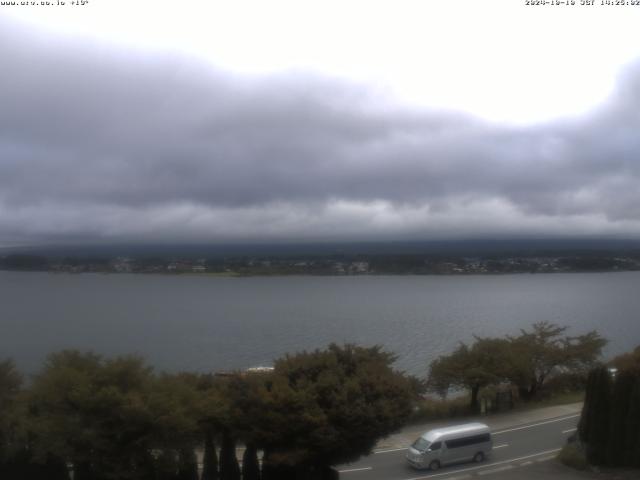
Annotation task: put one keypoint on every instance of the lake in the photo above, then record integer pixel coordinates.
(205, 323)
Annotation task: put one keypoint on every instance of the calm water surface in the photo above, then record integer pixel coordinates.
(206, 323)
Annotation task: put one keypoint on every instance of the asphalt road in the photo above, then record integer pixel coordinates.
(514, 447)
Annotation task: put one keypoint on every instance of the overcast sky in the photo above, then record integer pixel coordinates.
(152, 121)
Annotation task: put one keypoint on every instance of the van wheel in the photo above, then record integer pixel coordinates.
(478, 457)
(435, 465)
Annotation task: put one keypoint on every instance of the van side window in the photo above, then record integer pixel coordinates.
(435, 446)
(464, 442)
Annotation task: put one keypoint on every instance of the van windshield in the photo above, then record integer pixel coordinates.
(421, 444)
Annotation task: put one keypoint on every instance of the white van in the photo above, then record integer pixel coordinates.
(443, 446)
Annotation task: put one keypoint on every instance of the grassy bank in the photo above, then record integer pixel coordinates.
(431, 409)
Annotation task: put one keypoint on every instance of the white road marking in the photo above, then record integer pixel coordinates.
(546, 452)
(570, 430)
(524, 464)
(496, 470)
(355, 470)
(546, 459)
(501, 446)
(536, 424)
(390, 450)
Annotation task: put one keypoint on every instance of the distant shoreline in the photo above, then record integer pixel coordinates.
(296, 274)
(331, 265)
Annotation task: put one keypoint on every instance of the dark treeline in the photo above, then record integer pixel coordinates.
(24, 262)
(332, 264)
(114, 418)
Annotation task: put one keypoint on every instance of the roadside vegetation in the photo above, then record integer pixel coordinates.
(115, 418)
(537, 364)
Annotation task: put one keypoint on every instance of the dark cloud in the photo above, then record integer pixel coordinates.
(97, 142)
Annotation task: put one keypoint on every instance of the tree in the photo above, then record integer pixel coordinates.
(239, 404)
(16, 456)
(176, 405)
(222, 413)
(329, 407)
(229, 468)
(166, 465)
(610, 422)
(535, 355)
(187, 464)
(473, 367)
(527, 361)
(10, 384)
(618, 445)
(632, 426)
(628, 361)
(250, 464)
(240, 410)
(94, 413)
(593, 428)
(60, 399)
(210, 459)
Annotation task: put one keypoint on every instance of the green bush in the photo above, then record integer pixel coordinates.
(563, 383)
(430, 409)
(573, 456)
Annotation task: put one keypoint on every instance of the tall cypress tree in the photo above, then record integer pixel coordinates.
(585, 423)
(267, 472)
(167, 465)
(617, 444)
(250, 465)
(210, 460)
(56, 468)
(83, 471)
(610, 422)
(14, 453)
(598, 417)
(21, 466)
(229, 468)
(632, 433)
(187, 465)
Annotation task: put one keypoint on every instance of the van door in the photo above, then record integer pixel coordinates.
(454, 451)
(435, 452)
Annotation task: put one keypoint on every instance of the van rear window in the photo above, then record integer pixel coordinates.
(465, 441)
